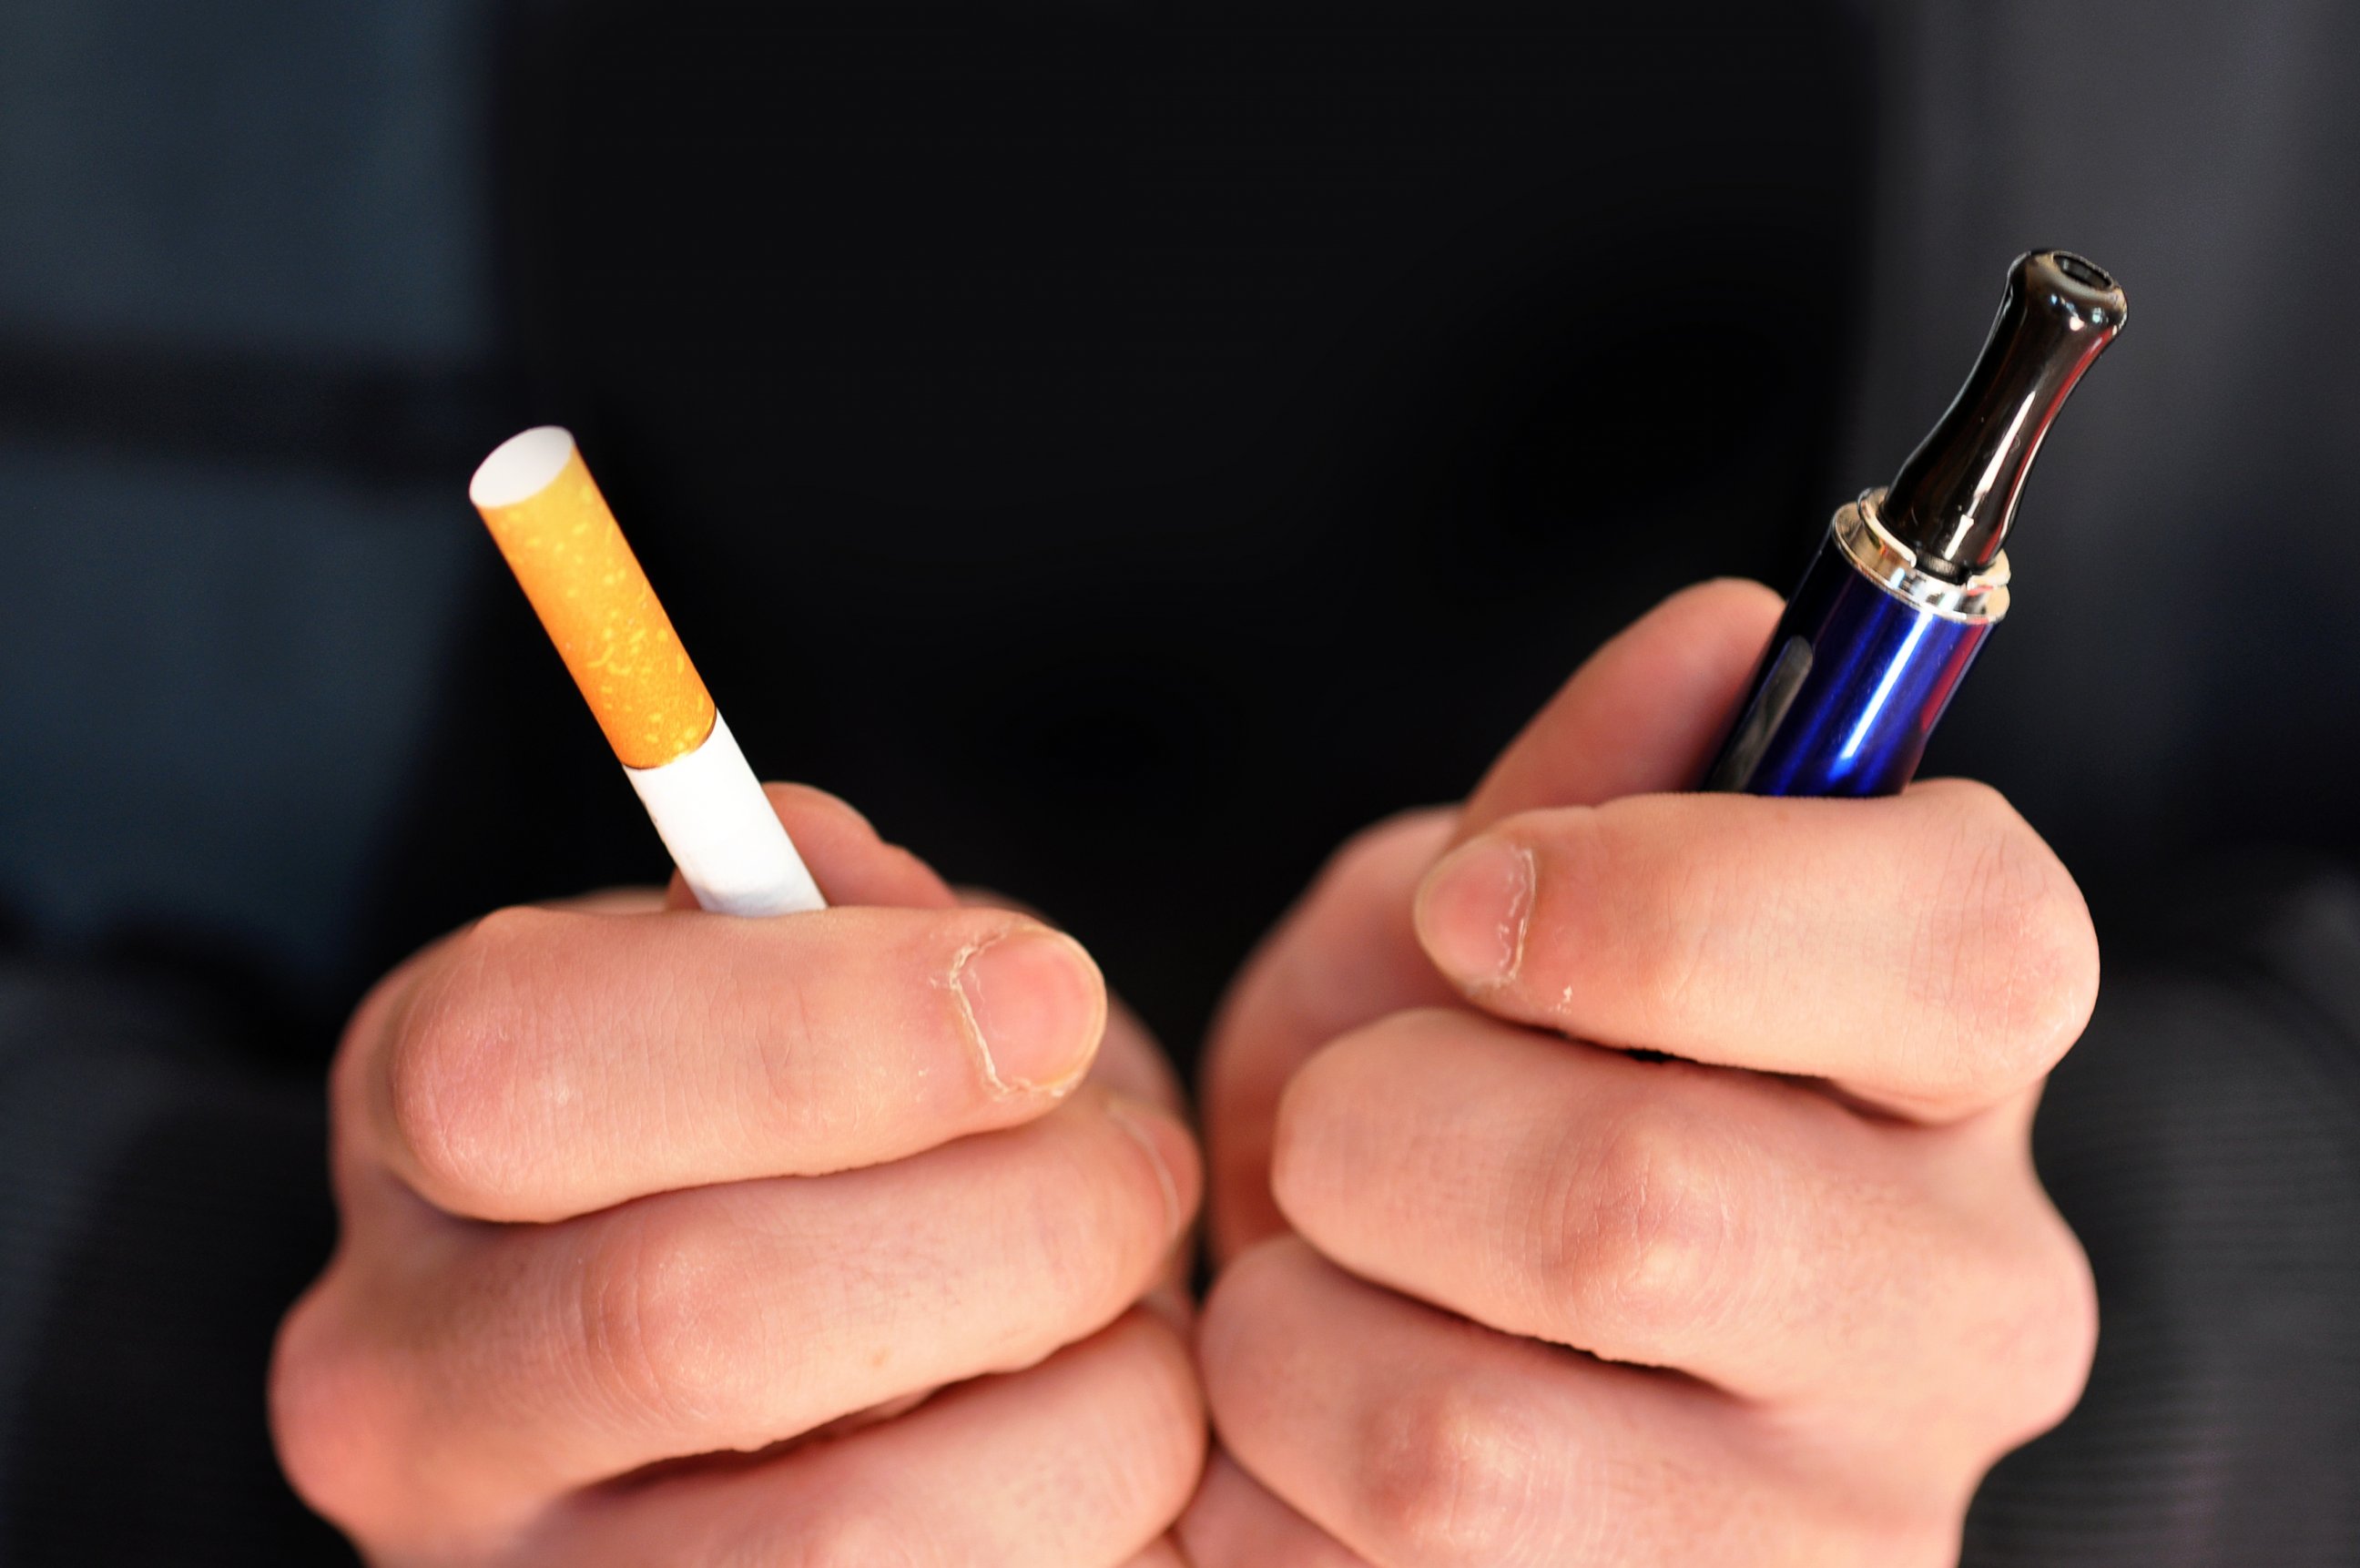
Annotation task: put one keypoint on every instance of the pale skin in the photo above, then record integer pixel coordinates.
(1494, 1291)
(669, 1238)
(636, 1203)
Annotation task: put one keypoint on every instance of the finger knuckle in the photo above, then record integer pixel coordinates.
(1310, 1176)
(1239, 1356)
(1635, 1222)
(1171, 1401)
(450, 1064)
(1155, 1403)
(328, 1411)
(1082, 1224)
(2053, 1339)
(2022, 972)
(663, 1322)
(1093, 1219)
(1450, 1476)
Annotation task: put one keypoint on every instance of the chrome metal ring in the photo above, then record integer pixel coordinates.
(1893, 567)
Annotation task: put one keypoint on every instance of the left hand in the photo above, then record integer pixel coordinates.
(1818, 1284)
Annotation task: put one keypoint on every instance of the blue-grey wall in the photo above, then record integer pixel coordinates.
(202, 622)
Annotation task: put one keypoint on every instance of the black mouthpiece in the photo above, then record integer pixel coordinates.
(1954, 498)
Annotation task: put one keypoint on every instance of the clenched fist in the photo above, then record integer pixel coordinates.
(674, 1238)
(1502, 1285)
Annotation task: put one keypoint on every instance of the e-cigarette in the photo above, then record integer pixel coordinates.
(1911, 578)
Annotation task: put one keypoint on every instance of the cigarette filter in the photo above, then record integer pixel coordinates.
(571, 559)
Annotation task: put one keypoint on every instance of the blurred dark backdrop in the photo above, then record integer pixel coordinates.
(1123, 448)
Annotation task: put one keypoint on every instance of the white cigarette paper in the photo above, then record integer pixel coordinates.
(570, 557)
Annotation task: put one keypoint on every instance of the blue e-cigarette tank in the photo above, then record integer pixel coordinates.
(1912, 577)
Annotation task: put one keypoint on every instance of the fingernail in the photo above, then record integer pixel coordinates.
(1035, 1006)
(1149, 1132)
(1472, 912)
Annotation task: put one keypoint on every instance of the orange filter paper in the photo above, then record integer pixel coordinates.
(571, 559)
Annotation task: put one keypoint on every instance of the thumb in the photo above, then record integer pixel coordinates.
(1643, 714)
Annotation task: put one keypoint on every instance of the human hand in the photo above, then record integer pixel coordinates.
(1817, 1280)
(661, 1229)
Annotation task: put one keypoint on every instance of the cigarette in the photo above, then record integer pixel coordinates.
(570, 557)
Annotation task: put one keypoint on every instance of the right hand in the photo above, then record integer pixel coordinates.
(636, 1198)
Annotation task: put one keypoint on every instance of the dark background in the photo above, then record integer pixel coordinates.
(1123, 449)
(1094, 442)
